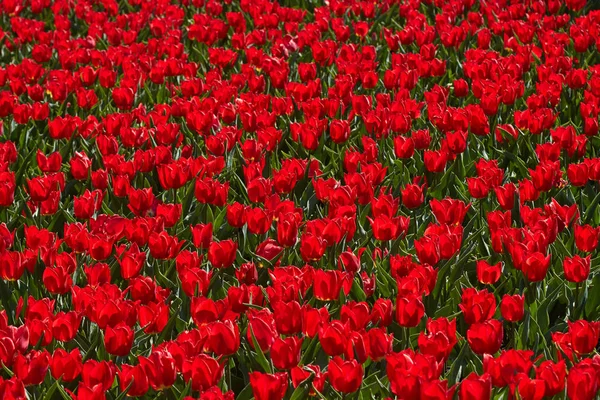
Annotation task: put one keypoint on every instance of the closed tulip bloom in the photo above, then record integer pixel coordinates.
(577, 269)
(578, 174)
(476, 387)
(582, 382)
(223, 338)
(313, 319)
(436, 389)
(7, 188)
(535, 266)
(222, 254)
(334, 337)
(485, 337)
(123, 98)
(65, 326)
(478, 187)
(327, 284)
(57, 280)
(345, 376)
(32, 367)
(268, 386)
(380, 343)
(512, 307)
(160, 369)
(203, 371)
(66, 366)
(85, 392)
(285, 353)
(312, 247)
(584, 336)
(488, 274)
(412, 196)
(261, 327)
(553, 374)
(404, 147)
(98, 373)
(435, 161)
(258, 221)
(339, 130)
(118, 340)
(586, 238)
(530, 389)
(506, 195)
(477, 306)
(287, 230)
(134, 378)
(409, 311)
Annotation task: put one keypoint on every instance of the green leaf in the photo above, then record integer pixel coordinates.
(260, 356)
(593, 301)
(301, 391)
(246, 393)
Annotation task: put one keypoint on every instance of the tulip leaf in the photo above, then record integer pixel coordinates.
(591, 210)
(301, 392)
(593, 301)
(245, 394)
(260, 356)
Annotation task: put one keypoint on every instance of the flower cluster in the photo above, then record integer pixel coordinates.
(219, 199)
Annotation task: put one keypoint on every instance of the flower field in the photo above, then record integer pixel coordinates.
(294, 199)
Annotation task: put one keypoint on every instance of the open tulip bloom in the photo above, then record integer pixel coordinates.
(279, 199)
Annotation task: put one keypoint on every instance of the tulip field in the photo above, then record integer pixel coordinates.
(299, 199)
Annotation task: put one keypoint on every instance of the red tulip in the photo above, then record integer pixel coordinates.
(530, 389)
(409, 310)
(202, 235)
(65, 326)
(123, 97)
(301, 374)
(582, 382)
(285, 353)
(98, 373)
(32, 367)
(7, 188)
(160, 369)
(344, 376)
(287, 230)
(512, 307)
(577, 268)
(118, 340)
(412, 196)
(66, 366)
(327, 284)
(535, 266)
(586, 238)
(134, 378)
(553, 375)
(477, 306)
(223, 338)
(261, 326)
(439, 339)
(268, 386)
(203, 371)
(380, 343)
(485, 337)
(312, 247)
(584, 336)
(339, 130)
(222, 254)
(475, 387)
(488, 274)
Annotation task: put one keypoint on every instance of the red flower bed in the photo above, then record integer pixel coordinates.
(379, 199)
